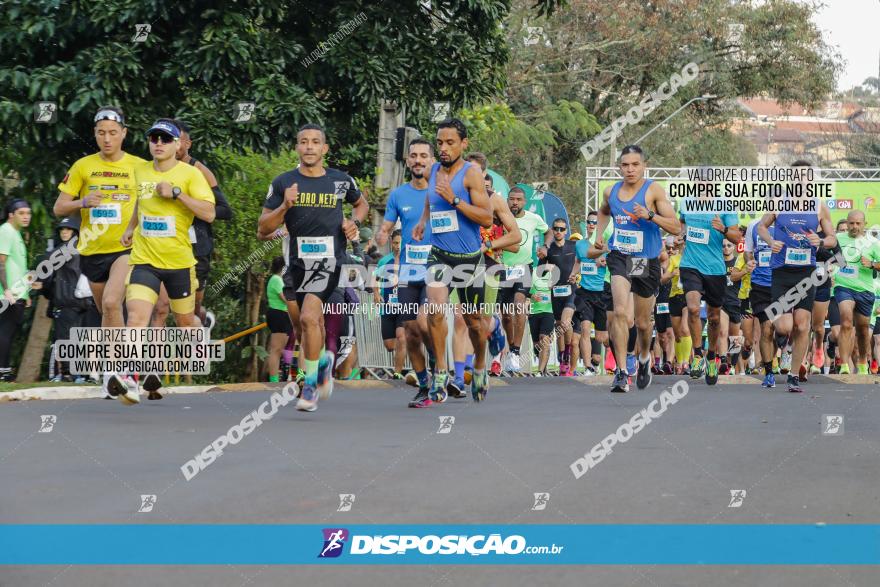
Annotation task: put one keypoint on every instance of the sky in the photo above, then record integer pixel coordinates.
(852, 26)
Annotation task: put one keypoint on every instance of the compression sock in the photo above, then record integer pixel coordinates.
(768, 367)
(459, 371)
(311, 371)
(422, 376)
(469, 359)
(631, 343)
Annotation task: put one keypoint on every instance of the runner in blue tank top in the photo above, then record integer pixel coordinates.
(793, 245)
(758, 254)
(639, 208)
(406, 204)
(456, 206)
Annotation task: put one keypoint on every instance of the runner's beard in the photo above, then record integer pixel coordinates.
(448, 164)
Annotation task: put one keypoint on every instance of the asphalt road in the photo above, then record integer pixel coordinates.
(101, 456)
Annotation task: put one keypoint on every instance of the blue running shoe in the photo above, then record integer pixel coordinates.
(308, 399)
(324, 383)
(769, 381)
(496, 338)
(631, 367)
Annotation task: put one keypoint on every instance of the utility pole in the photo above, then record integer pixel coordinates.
(391, 117)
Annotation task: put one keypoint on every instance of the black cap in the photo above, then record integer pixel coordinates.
(69, 222)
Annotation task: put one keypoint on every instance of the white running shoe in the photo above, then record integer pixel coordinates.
(785, 361)
(512, 363)
(124, 388)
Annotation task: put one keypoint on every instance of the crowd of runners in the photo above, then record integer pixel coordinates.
(646, 290)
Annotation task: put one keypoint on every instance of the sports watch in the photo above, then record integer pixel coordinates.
(175, 193)
(456, 201)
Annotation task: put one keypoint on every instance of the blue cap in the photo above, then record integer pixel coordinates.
(166, 127)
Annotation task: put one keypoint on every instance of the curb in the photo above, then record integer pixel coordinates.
(745, 379)
(94, 392)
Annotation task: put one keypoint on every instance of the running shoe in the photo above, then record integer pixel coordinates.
(511, 363)
(631, 367)
(875, 368)
(56, 379)
(152, 383)
(210, 319)
(308, 399)
(697, 367)
(794, 385)
(712, 371)
(422, 399)
(124, 388)
(644, 376)
(769, 381)
(815, 370)
(724, 369)
(468, 375)
(862, 368)
(564, 370)
(802, 373)
(397, 376)
(438, 393)
(667, 368)
(324, 383)
(785, 362)
(620, 383)
(411, 379)
(496, 338)
(300, 377)
(843, 369)
(455, 389)
(480, 386)
(80, 380)
(495, 369)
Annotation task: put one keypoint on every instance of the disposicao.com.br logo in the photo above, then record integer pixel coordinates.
(334, 540)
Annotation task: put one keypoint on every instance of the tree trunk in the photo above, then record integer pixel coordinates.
(253, 298)
(32, 358)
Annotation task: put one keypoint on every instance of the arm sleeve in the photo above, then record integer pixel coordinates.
(72, 182)
(221, 206)
(353, 194)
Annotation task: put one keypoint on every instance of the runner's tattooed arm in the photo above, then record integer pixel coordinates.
(510, 241)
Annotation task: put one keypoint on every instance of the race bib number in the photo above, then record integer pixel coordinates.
(797, 256)
(544, 298)
(820, 271)
(392, 299)
(417, 254)
(192, 235)
(446, 221)
(158, 226)
(662, 308)
(629, 241)
(515, 272)
(698, 235)
(315, 247)
(764, 258)
(847, 271)
(589, 268)
(106, 214)
(561, 291)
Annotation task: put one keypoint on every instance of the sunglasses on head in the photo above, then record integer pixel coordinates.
(161, 138)
(559, 228)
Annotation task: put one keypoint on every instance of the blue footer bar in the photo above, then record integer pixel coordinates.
(648, 544)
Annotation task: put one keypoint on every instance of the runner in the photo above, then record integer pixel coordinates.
(541, 321)
(704, 276)
(854, 290)
(277, 320)
(640, 209)
(308, 200)
(834, 316)
(816, 358)
(678, 307)
(759, 253)
(662, 319)
(457, 205)
(101, 188)
(517, 277)
(13, 270)
(386, 295)
(593, 295)
(561, 254)
(405, 204)
(731, 310)
(169, 195)
(793, 245)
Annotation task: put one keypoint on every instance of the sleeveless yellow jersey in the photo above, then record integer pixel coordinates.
(161, 238)
(746, 283)
(114, 180)
(675, 263)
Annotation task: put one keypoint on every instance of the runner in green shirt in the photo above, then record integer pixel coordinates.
(854, 290)
(541, 320)
(13, 280)
(277, 318)
(515, 278)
